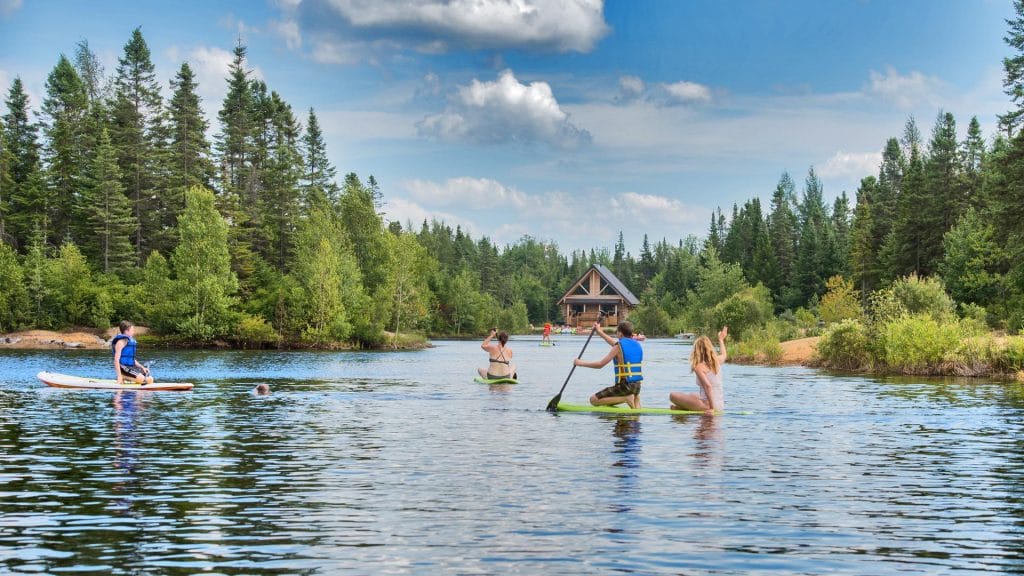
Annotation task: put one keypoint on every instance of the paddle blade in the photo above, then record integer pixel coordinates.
(553, 405)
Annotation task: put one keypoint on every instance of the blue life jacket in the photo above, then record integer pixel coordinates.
(629, 367)
(128, 352)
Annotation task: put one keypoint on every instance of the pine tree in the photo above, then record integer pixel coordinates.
(28, 199)
(6, 188)
(972, 165)
(1013, 67)
(782, 233)
(279, 198)
(841, 226)
(864, 246)
(190, 163)
(365, 231)
(139, 133)
(904, 250)
(318, 179)
(108, 212)
(65, 109)
(91, 71)
(944, 200)
(234, 143)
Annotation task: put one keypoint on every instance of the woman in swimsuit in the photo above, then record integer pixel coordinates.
(500, 355)
(708, 368)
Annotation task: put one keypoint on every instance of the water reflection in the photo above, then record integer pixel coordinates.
(128, 406)
(626, 431)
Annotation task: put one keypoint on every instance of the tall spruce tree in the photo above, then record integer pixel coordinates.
(1013, 70)
(944, 197)
(28, 197)
(319, 185)
(864, 244)
(190, 163)
(108, 212)
(904, 251)
(783, 232)
(972, 164)
(6, 188)
(841, 226)
(138, 131)
(65, 109)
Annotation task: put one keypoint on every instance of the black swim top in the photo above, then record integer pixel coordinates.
(501, 352)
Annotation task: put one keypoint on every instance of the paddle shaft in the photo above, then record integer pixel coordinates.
(553, 404)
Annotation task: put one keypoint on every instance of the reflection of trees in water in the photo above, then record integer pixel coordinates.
(959, 392)
(128, 405)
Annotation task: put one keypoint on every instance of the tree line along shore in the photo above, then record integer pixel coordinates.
(115, 203)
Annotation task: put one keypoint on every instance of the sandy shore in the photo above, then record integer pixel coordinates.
(51, 340)
(800, 351)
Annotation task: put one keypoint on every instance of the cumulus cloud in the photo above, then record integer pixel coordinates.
(467, 192)
(505, 111)
(406, 211)
(288, 30)
(650, 207)
(904, 90)
(633, 89)
(851, 165)
(684, 92)
(436, 26)
(211, 65)
(8, 7)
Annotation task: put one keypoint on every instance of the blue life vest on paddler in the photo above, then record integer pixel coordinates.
(128, 352)
(629, 367)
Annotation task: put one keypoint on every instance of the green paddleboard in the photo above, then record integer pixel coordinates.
(480, 380)
(563, 407)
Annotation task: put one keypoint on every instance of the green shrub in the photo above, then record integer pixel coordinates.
(253, 331)
(917, 344)
(973, 356)
(924, 296)
(841, 302)
(1011, 357)
(651, 319)
(760, 345)
(846, 346)
(805, 320)
(745, 310)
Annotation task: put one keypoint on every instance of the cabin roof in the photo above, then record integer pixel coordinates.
(608, 277)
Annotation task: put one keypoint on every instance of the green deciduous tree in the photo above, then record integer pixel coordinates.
(205, 284)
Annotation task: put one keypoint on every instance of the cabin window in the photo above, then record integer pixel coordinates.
(609, 309)
(580, 290)
(579, 308)
(606, 288)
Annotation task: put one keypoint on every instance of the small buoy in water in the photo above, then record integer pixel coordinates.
(261, 390)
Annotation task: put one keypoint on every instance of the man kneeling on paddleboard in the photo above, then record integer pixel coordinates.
(628, 354)
(125, 363)
(500, 357)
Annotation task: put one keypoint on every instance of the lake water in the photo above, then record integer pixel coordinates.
(397, 463)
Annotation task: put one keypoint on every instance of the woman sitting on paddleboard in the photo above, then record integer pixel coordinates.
(125, 363)
(500, 365)
(708, 367)
(628, 354)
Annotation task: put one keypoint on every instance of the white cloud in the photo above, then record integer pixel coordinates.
(650, 207)
(631, 87)
(684, 92)
(405, 211)
(211, 65)
(439, 25)
(289, 30)
(904, 90)
(467, 192)
(851, 165)
(8, 7)
(505, 111)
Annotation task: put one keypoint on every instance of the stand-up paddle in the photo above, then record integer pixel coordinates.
(553, 405)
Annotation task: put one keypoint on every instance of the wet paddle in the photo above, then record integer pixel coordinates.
(553, 405)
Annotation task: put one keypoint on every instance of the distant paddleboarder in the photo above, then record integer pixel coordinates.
(547, 333)
(499, 357)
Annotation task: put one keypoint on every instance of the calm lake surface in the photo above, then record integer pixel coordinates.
(397, 463)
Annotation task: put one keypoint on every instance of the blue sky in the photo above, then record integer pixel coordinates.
(568, 120)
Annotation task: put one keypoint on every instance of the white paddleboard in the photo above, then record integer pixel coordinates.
(65, 381)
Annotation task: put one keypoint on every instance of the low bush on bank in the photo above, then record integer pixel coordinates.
(760, 346)
(846, 346)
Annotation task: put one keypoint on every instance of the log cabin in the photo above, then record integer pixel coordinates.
(597, 290)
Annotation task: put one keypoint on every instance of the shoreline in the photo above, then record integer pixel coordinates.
(93, 339)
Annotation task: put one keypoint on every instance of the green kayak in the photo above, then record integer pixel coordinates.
(563, 407)
(480, 380)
